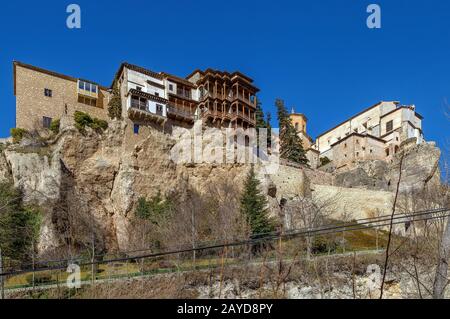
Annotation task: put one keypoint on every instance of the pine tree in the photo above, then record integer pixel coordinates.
(261, 123)
(291, 147)
(254, 206)
(115, 104)
(259, 114)
(269, 130)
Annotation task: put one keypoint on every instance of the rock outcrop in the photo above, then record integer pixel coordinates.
(420, 167)
(93, 181)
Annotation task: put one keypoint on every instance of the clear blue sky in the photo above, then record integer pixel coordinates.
(318, 56)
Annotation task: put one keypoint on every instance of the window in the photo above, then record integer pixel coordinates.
(389, 126)
(170, 87)
(159, 109)
(139, 103)
(387, 152)
(136, 129)
(48, 92)
(87, 100)
(156, 94)
(46, 121)
(86, 86)
(138, 88)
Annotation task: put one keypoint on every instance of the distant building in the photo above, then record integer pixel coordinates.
(299, 121)
(375, 133)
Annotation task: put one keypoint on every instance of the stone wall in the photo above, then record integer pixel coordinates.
(353, 202)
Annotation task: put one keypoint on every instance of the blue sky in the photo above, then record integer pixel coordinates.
(319, 56)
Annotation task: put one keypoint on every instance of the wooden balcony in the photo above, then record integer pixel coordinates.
(179, 114)
(223, 116)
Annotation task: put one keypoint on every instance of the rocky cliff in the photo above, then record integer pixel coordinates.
(420, 167)
(94, 180)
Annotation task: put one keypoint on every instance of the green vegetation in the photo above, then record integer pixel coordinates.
(83, 119)
(262, 122)
(254, 206)
(54, 126)
(291, 147)
(115, 104)
(19, 225)
(18, 134)
(324, 161)
(39, 278)
(153, 210)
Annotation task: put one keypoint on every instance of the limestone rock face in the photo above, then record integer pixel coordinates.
(4, 168)
(38, 175)
(420, 167)
(94, 180)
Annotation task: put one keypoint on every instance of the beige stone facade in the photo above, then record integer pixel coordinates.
(299, 121)
(34, 102)
(374, 133)
(357, 147)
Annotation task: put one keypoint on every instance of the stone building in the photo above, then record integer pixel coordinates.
(43, 95)
(374, 133)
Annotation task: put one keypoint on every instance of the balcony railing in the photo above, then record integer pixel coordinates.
(139, 105)
(173, 110)
(230, 115)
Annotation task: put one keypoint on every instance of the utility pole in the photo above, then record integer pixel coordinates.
(193, 235)
(2, 280)
(93, 270)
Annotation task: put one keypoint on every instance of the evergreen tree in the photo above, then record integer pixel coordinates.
(269, 130)
(259, 114)
(115, 104)
(291, 147)
(254, 206)
(260, 124)
(19, 225)
(155, 210)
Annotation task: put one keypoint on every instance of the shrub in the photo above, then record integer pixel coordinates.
(155, 210)
(54, 126)
(115, 104)
(39, 278)
(18, 134)
(99, 124)
(324, 161)
(83, 119)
